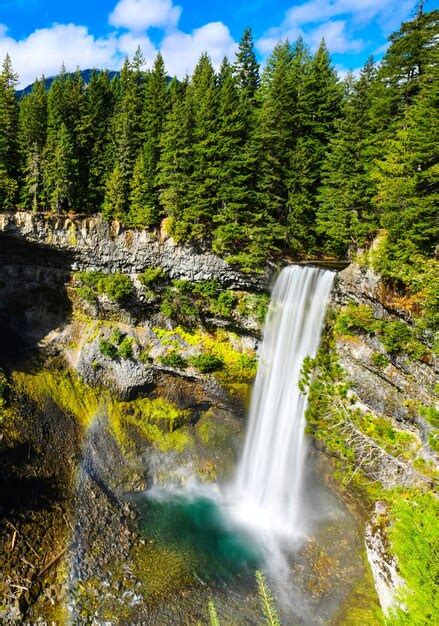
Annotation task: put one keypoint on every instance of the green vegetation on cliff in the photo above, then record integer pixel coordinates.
(365, 446)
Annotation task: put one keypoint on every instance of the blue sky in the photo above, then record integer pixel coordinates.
(41, 34)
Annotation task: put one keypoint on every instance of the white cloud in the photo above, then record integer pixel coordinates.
(139, 15)
(334, 34)
(44, 50)
(128, 43)
(181, 51)
(315, 19)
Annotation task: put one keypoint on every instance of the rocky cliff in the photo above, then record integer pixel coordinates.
(91, 243)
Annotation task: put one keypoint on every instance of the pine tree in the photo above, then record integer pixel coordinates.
(9, 159)
(408, 177)
(345, 216)
(33, 132)
(176, 162)
(274, 133)
(154, 114)
(318, 110)
(115, 195)
(94, 134)
(246, 67)
(61, 173)
(203, 199)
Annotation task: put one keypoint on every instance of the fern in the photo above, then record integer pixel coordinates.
(268, 606)
(213, 615)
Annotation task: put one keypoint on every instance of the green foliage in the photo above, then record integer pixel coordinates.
(269, 610)
(213, 615)
(126, 348)
(108, 349)
(413, 537)
(396, 337)
(117, 287)
(174, 359)
(207, 363)
(151, 275)
(355, 318)
(380, 360)
(258, 168)
(178, 305)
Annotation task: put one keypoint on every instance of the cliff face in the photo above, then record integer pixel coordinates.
(91, 243)
(391, 382)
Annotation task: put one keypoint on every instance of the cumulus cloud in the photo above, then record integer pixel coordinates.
(181, 51)
(337, 21)
(44, 51)
(139, 15)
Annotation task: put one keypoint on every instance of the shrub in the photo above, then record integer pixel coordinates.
(117, 287)
(355, 318)
(207, 363)
(126, 348)
(151, 275)
(175, 360)
(379, 359)
(91, 284)
(178, 305)
(144, 356)
(116, 336)
(108, 349)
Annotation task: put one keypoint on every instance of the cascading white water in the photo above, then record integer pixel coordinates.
(269, 478)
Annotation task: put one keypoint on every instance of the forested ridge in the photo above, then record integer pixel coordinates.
(256, 163)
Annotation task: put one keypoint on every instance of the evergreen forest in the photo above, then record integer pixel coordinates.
(256, 163)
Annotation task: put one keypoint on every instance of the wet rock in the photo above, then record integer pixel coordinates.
(383, 564)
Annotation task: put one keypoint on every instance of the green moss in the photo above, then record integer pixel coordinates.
(156, 420)
(64, 389)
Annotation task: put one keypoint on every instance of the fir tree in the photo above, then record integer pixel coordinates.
(32, 133)
(94, 133)
(115, 195)
(407, 178)
(274, 134)
(345, 216)
(203, 197)
(142, 212)
(8, 136)
(61, 171)
(318, 110)
(154, 114)
(234, 189)
(246, 67)
(176, 162)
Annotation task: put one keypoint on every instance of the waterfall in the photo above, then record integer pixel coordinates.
(268, 485)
